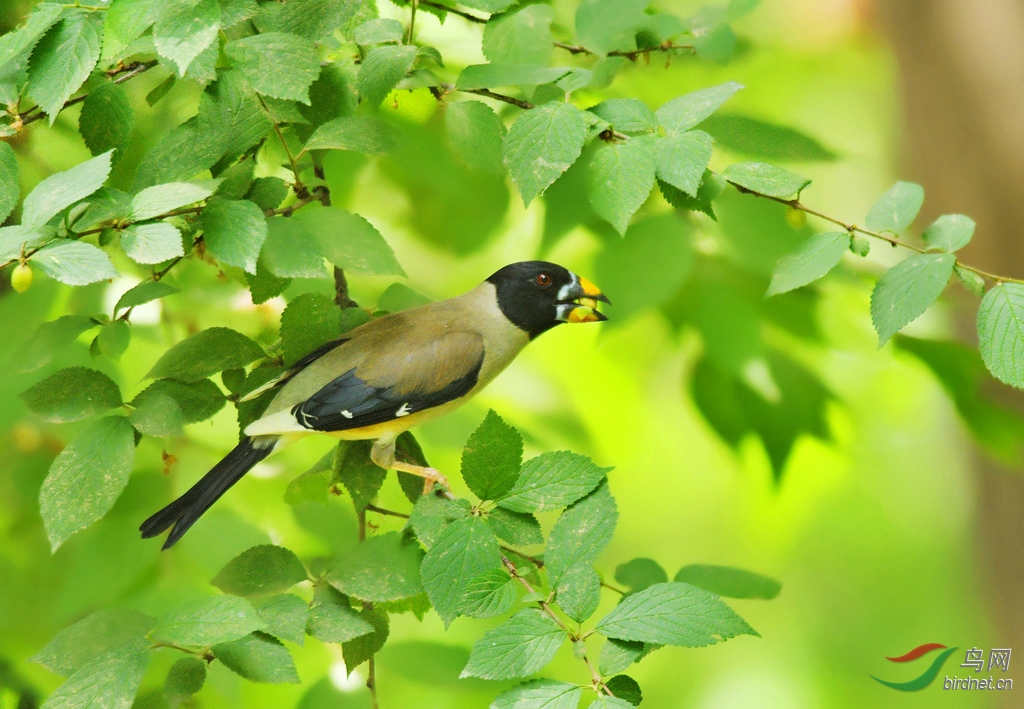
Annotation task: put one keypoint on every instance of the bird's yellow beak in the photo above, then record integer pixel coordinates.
(578, 302)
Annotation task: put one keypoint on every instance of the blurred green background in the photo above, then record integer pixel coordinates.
(887, 529)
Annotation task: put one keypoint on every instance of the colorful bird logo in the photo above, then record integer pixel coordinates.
(926, 677)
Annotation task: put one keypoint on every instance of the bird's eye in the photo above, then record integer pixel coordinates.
(543, 280)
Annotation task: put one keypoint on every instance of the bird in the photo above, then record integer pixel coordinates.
(395, 372)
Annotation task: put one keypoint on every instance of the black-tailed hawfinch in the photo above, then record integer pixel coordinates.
(396, 372)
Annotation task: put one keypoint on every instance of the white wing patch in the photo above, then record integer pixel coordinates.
(281, 422)
(347, 414)
(403, 410)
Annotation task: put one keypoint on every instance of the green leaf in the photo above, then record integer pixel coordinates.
(606, 25)
(906, 290)
(1001, 333)
(950, 232)
(398, 297)
(711, 186)
(126, 21)
(621, 178)
(492, 458)
(626, 689)
(381, 568)
(152, 243)
(356, 652)
(21, 40)
(161, 199)
(626, 115)
(63, 189)
(972, 281)
(185, 29)
(382, 68)
(332, 619)
(96, 634)
(765, 141)
(72, 394)
(198, 401)
(378, 31)
(522, 37)
(539, 694)
(276, 64)
(516, 528)
(351, 242)
(681, 114)
(617, 655)
(310, 321)
(896, 209)
(603, 701)
(9, 189)
(74, 263)
(110, 680)
(360, 475)
(86, 478)
(186, 677)
(264, 285)
(682, 160)
(641, 573)
(489, 594)
(673, 614)
(50, 339)
(268, 192)
(114, 338)
(362, 134)
(729, 581)
(462, 551)
(145, 292)
(482, 76)
(582, 532)
(814, 258)
(208, 352)
(291, 250)
(286, 616)
(157, 415)
(542, 144)
(207, 621)
(63, 60)
(553, 480)
(657, 252)
(765, 179)
(490, 6)
(477, 133)
(578, 591)
(313, 19)
(432, 514)
(520, 646)
(107, 119)
(234, 232)
(259, 658)
(260, 570)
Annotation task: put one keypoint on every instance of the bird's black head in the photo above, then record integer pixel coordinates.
(537, 295)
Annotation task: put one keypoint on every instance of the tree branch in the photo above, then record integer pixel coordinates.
(631, 54)
(525, 105)
(122, 73)
(461, 13)
(795, 203)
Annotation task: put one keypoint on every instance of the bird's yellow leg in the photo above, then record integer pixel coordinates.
(383, 455)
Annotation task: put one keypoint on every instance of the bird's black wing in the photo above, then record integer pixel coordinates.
(348, 402)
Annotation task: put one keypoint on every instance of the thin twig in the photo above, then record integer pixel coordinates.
(526, 105)
(122, 74)
(299, 188)
(853, 228)
(631, 54)
(388, 513)
(613, 588)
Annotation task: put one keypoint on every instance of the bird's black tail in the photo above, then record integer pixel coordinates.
(183, 512)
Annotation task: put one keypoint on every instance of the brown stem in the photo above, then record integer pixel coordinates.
(122, 74)
(461, 13)
(389, 513)
(341, 296)
(526, 105)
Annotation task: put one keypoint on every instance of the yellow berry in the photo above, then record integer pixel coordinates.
(796, 217)
(21, 279)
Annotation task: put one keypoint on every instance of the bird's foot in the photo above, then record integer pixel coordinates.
(432, 476)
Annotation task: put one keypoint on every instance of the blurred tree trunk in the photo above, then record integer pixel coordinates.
(962, 73)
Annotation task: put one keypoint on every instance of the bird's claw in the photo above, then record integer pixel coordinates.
(431, 476)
